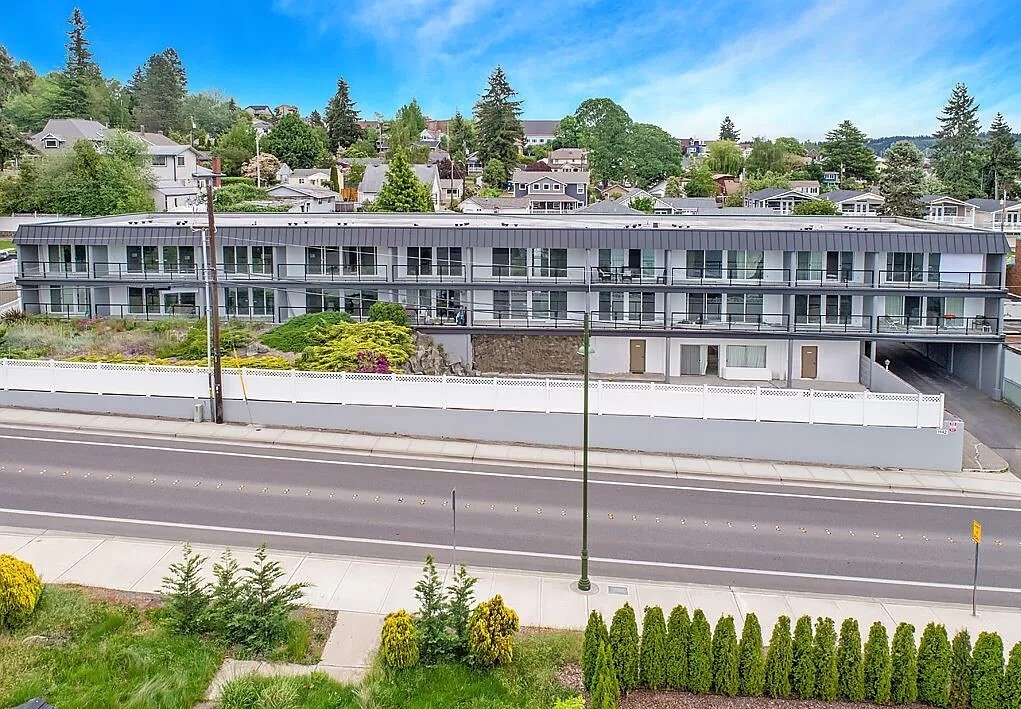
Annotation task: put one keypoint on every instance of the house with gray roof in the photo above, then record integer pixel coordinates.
(780, 200)
(998, 215)
(375, 175)
(607, 206)
(945, 209)
(495, 205)
(551, 192)
(539, 132)
(856, 202)
(310, 176)
(568, 159)
(306, 199)
(62, 133)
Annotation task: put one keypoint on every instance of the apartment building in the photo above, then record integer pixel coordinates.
(736, 297)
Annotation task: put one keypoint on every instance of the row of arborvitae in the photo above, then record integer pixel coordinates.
(815, 663)
(446, 627)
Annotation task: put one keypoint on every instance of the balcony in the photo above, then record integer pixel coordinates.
(834, 277)
(144, 311)
(628, 275)
(762, 277)
(332, 272)
(537, 274)
(951, 219)
(944, 280)
(942, 325)
(730, 322)
(829, 324)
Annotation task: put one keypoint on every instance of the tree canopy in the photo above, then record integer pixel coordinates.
(725, 157)
(158, 88)
(236, 146)
(497, 126)
(766, 156)
(342, 126)
(569, 134)
(901, 182)
(296, 143)
(1001, 161)
(460, 139)
(401, 190)
(653, 154)
(80, 73)
(846, 151)
(700, 182)
(728, 131)
(606, 128)
(957, 157)
(213, 112)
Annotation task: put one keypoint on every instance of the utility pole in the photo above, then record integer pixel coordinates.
(258, 161)
(584, 584)
(214, 308)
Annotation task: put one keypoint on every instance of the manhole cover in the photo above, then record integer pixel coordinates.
(617, 590)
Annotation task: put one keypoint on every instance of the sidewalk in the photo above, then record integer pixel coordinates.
(622, 462)
(364, 590)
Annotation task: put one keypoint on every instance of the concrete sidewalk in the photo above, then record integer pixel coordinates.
(364, 590)
(624, 462)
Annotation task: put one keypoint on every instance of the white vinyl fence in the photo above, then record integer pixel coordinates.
(486, 394)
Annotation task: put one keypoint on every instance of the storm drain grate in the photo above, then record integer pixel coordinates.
(617, 590)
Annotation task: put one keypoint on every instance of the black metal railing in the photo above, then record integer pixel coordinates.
(721, 275)
(944, 280)
(833, 323)
(644, 275)
(938, 325)
(745, 322)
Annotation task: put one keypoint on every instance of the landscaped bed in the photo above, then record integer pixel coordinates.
(644, 699)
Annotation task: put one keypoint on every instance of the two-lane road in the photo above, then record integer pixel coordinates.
(641, 526)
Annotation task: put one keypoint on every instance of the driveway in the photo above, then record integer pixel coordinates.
(994, 423)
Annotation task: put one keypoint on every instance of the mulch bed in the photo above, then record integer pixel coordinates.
(644, 699)
(141, 601)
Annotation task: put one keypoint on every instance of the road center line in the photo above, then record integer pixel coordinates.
(544, 478)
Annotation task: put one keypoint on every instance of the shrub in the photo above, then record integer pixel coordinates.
(338, 346)
(878, 670)
(803, 663)
(606, 690)
(1012, 680)
(20, 589)
(652, 660)
(461, 598)
(987, 672)
(398, 646)
(677, 648)
(575, 702)
(186, 594)
(624, 647)
(240, 693)
(752, 671)
(700, 655)
(934, 666)
(960, 671)
(293, 335)
(725, 657)
(233, 336)
(384, 310)
(904, 658)
(825, 658)
(432, 614)
(596, 636)
(850, 669)
(779, 659)
(491, 633)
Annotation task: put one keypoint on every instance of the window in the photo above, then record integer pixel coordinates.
(549, 304)
(641, 307)
(419, 299)
(705, 307)
(143, 259)
(611, 305)
(934, 260)
(180, 161)
(159, 160)
(143, 301)
(449, 261)
(359, 260)
(263, 301)
(236, 301)
(751, 356)
(744, 264)
(705, 264)
(51, 143)
(357, 303)
(179, 303)
(744, 308)
(510, 262)
(65, 258)
(809, 266)
(420, 261)
(179, 259)
(448, 302)
(549, 263)
(317, 300)
(953, 312)
(838, 309)
(64, 300)
(510, 304)
(235, 259)
(262, 260)
(839, 265)
(807, 308)
(902, 267)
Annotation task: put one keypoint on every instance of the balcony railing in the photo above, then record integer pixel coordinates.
(757, 322)
(539, 274)
(944, 280)
(628, 275)
(730, 276)
(833, 323)
(53, 269)
(834, 277)
(150, 311)
(333, 272)
(951, 219)
(938, 325)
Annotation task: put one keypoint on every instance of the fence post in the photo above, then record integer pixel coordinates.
(99, 381)
(443, 390)
(758, 403)
(918, 411)
(393, 391)
(53, 376)
(148, 373)
(6, 372)
(811, 405)
(294, 386)
(547, 395)
(705, 398)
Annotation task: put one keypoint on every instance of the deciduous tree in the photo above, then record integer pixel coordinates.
(296, 143)
(606, 128)
(652, 153)
(724, 157)
(765, 157)
(700, 182)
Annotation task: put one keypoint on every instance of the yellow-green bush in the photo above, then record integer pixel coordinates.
(398, 646)
(491, 633)
(19, 591)
(252, 362)
(337, 346)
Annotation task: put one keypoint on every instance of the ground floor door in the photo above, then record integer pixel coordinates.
(691, 360)
(712, 360)
(809, 362)
(637, 350)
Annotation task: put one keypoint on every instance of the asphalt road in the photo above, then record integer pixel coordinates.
(651, 527)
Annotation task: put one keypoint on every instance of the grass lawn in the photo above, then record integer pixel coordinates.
(100, 655)
(6, 244)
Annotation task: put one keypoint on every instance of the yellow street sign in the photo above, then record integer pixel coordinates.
(976, 531)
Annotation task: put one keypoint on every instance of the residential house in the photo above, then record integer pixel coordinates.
(451, 190)
(726, 184)
(310, 176)
(262, 127)
(474, 164)
(658, 189)
(999, 216)
(285, 109)
(375, 175)
(259, 110)
(568, 159)
(539, 132)
(944, 209)
(831, 177)
(692, 205)
(495, 205)
(659, 205)
(809, 187)
(781, 200)
(306, 199)
(607, 206)
(693, 147)
(430, 138)
(62, 133)
(551, 192)
(855, 202)
(614, 190)
(284, 173)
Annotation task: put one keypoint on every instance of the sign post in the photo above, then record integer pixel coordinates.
(453, 509)
(976, 536)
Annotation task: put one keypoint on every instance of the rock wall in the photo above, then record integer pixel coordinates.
(430, 358)
(527, 354)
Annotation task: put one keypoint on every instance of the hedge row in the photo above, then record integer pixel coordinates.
(815, 662)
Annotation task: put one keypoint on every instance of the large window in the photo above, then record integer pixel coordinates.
(838, 309)
(839, 265)
(65, 258)
(448, 302)
(704, 264)
(549, 304)
(549, 263)
(807, 308)
(318, 300)
(510, 262)
(420, 261)
(245, 302)
(611, 305)
(449, 261)
(143, 259)
(904, 267)
(322, 260)
(359, 260)
(934, 260)
(745, 264)
(143, 301)
(64, 300)
(744, 307)
(357, 303)
(510, 304)
(705, 307)
(179, 259)
(809, 266)
(641, 307)
(235, 259)
(180, 303)
(751, 356)
(262, 260)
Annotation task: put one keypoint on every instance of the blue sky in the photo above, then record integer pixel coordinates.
(776, 68)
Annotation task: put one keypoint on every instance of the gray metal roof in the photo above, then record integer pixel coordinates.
(606, 206)
(375, 175)
(990, 205)
(839, 196)
(525, 177)
(539, 127)
(700, 203)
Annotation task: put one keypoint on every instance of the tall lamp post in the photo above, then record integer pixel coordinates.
(213, 312)
(584, 584)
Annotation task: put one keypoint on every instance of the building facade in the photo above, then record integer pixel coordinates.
(740, 298)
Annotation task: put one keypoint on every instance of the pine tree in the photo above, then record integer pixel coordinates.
(960, 671)
(157, 89)
(901, 182)
(849, 662)
(846, 151)
(957, 154)
(678, 627)
(80, 73)
(1012, 680)
(460, 600)
(315, 119)
(652, 661)
(342, 125)
(334, 178)
(878, 668)
(402, 191)
(624, 647)
(728, 131)
(431, 621)
(1001, 160)
(497, 126)
(987, 672)
(827, 675)
(700, 654)
(596, 636)
(726, 662)
(186, 594)
(803, 664)
(904, 659)
(605, 690)
(779, 660)
(934, 666)
(753, 664)
(460, 140)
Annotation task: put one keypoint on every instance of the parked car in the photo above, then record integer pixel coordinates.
(7, 254)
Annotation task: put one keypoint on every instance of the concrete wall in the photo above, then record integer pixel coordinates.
(979, 365)
(880, 379)
(935, 449)
(1012, 377)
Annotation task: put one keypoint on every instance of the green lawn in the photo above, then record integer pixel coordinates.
(102, 655)
(6, 244)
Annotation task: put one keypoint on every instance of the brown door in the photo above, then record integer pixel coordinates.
(809, 362)
(638, 356)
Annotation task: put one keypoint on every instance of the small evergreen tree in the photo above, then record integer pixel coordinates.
(596, 636)
(402, 191)
(678, 627)
(728, 131)
(803, 664)
(624, 647)
(987, 672)
(960, 671)
(432, 620)
(652, 662)
(605, 690)
(726, 662)
(1012, 680)
(904, 657)
(878, 669)
(849, 662)
(752, 670)
(901, 181)
(398, 643)
(491, 633)
(226, 607)
(700, 655)
(461, 598)
(779, 660)
(186, 594)
(934, 666)
(269, 602)
(342, 128)
(825, 658)
(334, 179)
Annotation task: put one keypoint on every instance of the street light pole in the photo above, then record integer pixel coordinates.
(214, 308)
(584, 584)
(258, 161)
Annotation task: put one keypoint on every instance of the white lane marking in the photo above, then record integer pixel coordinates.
(546, 478)
(501, 552)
